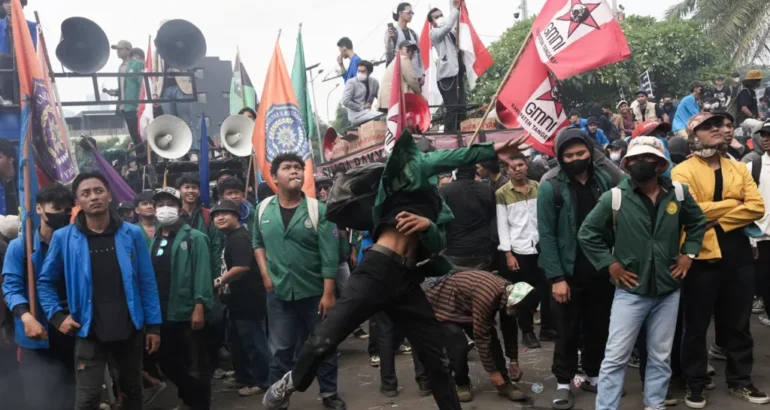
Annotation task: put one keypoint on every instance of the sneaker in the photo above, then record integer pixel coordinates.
(634, 361)
(219, 374)
(717, 353)
(536, 318)
(511, 392)
(464, 393)
(670, 400)
(695, 399)
(711, 371)
(247, 391)
(710, 385)
(152, 393)
(758, 306)
(471, 346)
(530, 340)
(751, 395)
(548, 335)
(374, 360)
(360, 334)
(405, 349)
(335, 402)
(277, 396)
(231, 383)
(424, 389)
(764, 319)
(654, 408)
(389, 393)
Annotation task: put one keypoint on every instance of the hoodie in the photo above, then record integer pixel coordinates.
(756, 140)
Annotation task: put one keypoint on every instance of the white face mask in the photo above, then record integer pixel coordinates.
(440, 22)
(362, 77)
(615, 156)
(167, 215)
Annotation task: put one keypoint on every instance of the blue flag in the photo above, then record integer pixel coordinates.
(203, 163)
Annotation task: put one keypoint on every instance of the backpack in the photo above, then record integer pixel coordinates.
(351, 198)
(312, 210)
(617, 198)
(206, 215)
(756, 169)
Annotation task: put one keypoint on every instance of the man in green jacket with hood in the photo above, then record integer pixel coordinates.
(582, 295)
(180, 257)
(646, 263)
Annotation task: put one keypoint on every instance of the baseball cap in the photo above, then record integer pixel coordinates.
(407, 43)
(765, 128)
(647, 127)
(646, 94)
(701, 118)
(592, 120)
(126, 205)
(122, 44)
(167, 192)
(617, 107)
(645, 145)
(618, 143)
(225, 205)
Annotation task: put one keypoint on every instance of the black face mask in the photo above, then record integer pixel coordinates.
(641, 171)
(57, 221)
(577, 167)
(668, 104)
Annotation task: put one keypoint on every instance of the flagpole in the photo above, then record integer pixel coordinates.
(248, 174)
(457, 50)
(500, 88)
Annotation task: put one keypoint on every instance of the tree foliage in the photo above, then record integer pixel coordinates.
(675, 53)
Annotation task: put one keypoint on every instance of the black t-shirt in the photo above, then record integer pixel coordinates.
(747, 98)
(585, 201)
(246, 300)
(720, 95)
(286, 215)
(162, 265)
(734, 245)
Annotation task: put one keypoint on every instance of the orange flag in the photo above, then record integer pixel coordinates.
(279, 128)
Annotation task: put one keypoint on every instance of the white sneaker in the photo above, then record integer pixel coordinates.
(219, 374)
(764, 320)
(249, 391)
(758, 306)
(405, 349)
(374, 361)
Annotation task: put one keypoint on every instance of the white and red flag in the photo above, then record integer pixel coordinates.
(430, 61)
(530, 99)
(575, 36)
(396, 108)
(144, 111)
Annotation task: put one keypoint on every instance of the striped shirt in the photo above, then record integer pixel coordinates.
(473, 298)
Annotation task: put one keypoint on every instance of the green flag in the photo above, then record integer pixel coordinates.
(242, 93)
(299, 82)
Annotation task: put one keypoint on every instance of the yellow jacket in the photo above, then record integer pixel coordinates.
(741, 202)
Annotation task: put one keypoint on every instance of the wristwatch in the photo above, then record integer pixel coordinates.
(691, 255)
(218, 282)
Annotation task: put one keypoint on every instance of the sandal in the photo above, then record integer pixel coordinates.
(563, 400)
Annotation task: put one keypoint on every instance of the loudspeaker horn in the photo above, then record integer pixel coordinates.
(169, 137)
(235, 135)
(417, 112)
(181, 44)
(84, 48)
(329, 139)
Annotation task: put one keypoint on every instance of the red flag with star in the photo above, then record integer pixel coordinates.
(575, 36)
(530, 99)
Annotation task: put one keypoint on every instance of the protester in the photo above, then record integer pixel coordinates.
(298, 254)
(444, 179)
(643, 210)
(232, 189)
(644, 110)
(410, 82)
(360, 92)
(103, 257)
(248, 112)
(629, 120)
(491, 172)
(145, 209)
(346, 53)
(724, 268)
(467, 303)
(746, 102)
(180, 258)
(47, 366)
(128, 88)
(688, 107)
(127, 212)
(720, 92)
(616, 120)
(451, 68)
(659, 130)
(468, 236)
(735, 87)
(735, 150)
(395, 37)
(669, 108)
(582, 296)
(760, 170)
(616, 151)
(594, 132)
(9, 199)
(240, 288)
(764, 109)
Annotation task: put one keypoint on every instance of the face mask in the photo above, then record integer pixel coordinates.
(577, 167)
(58, 221)
(362, 77)
(668, 104)
(643, 170)
(167, 215)
(440, 22)
(615, 156)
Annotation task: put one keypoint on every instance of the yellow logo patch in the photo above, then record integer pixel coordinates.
(671, 208)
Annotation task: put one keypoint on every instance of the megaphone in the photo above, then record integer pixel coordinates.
(329, 139)
(181, 44)
(84, 48)
(417, 111)
(235, 135)
(169, 137)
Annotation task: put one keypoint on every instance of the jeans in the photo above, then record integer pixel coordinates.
(183, 358)
(91, 358)
(586, 314)
(676, 350)
(343, 274)
(388, 339)
(248, 346)
(183, 111)
(630, 313)
(291, 323)
(381, 284)
(49, 374)
(702, 286)
(530, 273)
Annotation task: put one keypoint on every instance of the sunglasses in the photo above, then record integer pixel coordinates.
(163, 244)
(411, 13)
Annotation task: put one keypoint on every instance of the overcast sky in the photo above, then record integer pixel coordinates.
(253, 26)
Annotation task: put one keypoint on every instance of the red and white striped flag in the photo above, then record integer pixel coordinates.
(396, 108)
(144, 111)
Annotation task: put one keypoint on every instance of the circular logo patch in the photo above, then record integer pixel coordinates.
(308, 223)
(671, 208)
(285, 132)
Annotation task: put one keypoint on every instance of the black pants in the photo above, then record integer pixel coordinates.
(215, 340)
(587, 314)
(132, 122)
(702, 286)
(49, 374)
(183, 358)
(480, 262)
(457, 347)
(762, 270)
(676, 358)
(388, 339)
(381, 284)
(91, 358)
(530, 273)
(455, 102)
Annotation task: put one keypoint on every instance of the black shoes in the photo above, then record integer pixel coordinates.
(334, 403)
(548, 335)
(530, 340)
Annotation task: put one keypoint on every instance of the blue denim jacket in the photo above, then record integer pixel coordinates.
(15, 287)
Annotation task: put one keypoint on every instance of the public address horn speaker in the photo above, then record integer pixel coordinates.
(169, 137)
(417, 111)
(329, 139)
(84, 48)
(181, 44)
(235, 135)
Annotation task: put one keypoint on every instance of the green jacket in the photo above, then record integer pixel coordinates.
(197, 222)
(409, 170)
(132, 84)
(191, 281)
(645, 250)
(298, 259)
(557, 227)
